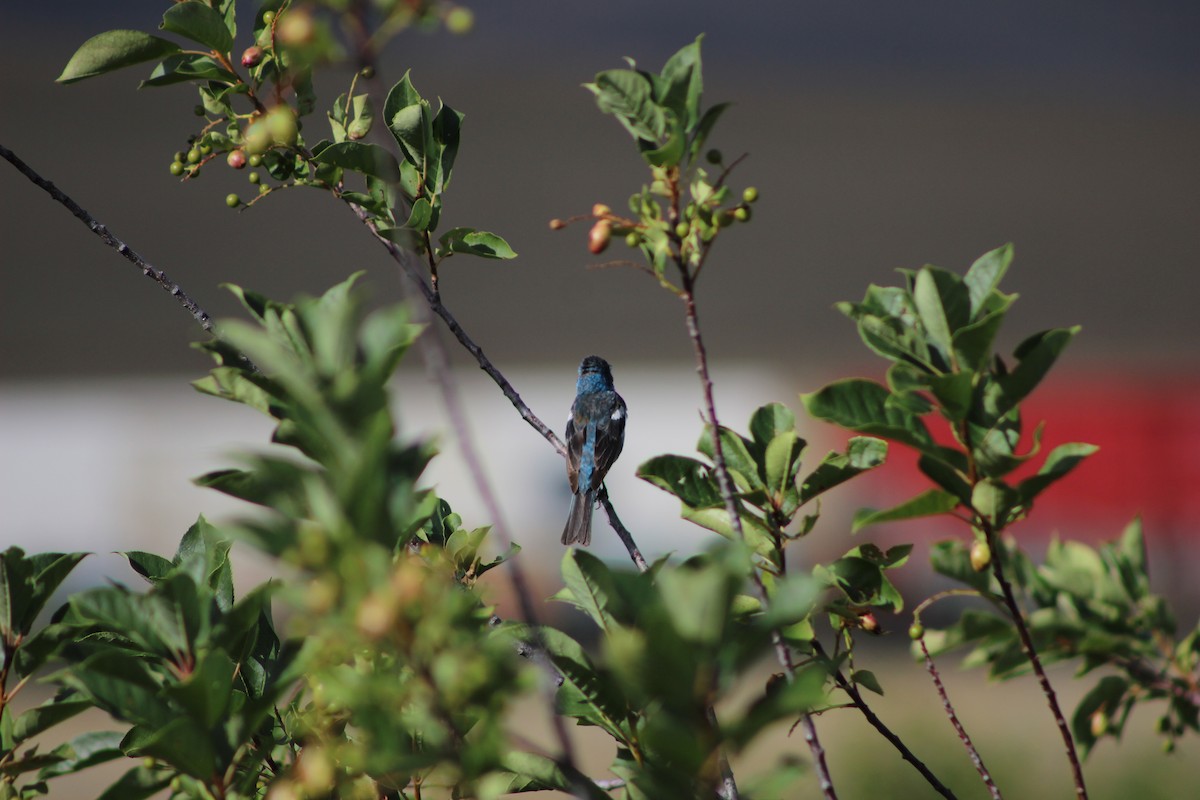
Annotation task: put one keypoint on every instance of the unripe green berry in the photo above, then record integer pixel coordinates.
(148, 762)
(749, 194)
(206, 149)
(460, 20)
(194, 155)
(255, 160)
(254, 177)
(741, 214)
(981, 555)
(180, 156)
(263, 188)
(233, 201)
(713, 156)
(176, 168)
(681, 229)
(367, 72)
(916, 631)
(632, 239)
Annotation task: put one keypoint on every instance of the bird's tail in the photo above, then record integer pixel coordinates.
(579, 523)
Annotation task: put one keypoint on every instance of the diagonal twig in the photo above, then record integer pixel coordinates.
(150, 271)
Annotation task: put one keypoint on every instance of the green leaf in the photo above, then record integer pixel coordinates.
(1058, 464)
(113, 50)
(953, 393)
(205, 693)
(83, 751)
(697, 596)
(862, 453)
(684, 84)
(40, 718)
(420, 216)
(368, 159)
(591, 586)
(150, 566)
(138, 783)
(927, 504)
(1036, 355)
(704, 128)
(199, 22)
(180, 743)
(861, 405)
(1105, 698)
(736, 450)
(184, 67)
(628, 95)
(688, 479)
(781, 463)
(867, 680)
(994, 500)
(535, 772)
(476, 243)
(985, 275)
(942, 303)
(770, 421)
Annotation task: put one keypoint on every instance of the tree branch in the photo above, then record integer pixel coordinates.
(153, 273)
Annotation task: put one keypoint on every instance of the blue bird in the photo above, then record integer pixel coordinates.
(595, 436)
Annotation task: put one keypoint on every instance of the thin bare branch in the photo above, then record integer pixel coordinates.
(150, 271)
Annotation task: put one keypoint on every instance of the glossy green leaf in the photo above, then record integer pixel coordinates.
(770, 421)
(476, 243)
(138, 783)
(205, 693)
(1057, 465)
(420, 216)
(985, 275)
(781, 463)
(185, 67)
(199, 22)
(684, 82)
(179, 743)
(862, 453)
(927, 504)
(628, 95)
(866, 679)
(736, 450)
(941, 301)
(994, 500)
(368, 159)
(861, 405)
(689, 479)
(113, 50)
(1035, 356)
(83, 751)
(591, 586)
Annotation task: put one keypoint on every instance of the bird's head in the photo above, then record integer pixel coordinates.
(594, 375)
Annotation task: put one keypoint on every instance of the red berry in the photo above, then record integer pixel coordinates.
(252, 56)
(599, 237)
(236, 159)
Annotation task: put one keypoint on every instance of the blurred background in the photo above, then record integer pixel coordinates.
(880, 135)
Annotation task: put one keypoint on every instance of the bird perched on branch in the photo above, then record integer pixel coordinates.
(595, 435)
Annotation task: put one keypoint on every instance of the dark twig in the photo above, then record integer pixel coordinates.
(861, 704)
(452, 324)
(963, 737)
(1018, 618)
(622, 532)
(151, 272)
(1014, 609)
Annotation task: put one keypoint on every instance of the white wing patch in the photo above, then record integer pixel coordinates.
(616, 415)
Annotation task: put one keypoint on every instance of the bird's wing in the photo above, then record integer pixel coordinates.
(574, 439)
(610, 438)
